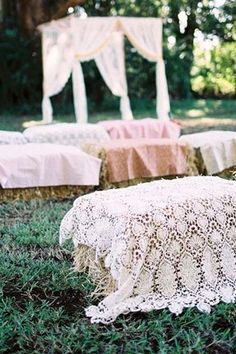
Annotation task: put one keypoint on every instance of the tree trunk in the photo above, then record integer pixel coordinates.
(28, 14)
(189, 47)
(184, 43)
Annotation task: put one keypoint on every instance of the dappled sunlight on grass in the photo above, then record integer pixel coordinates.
(180, 109)
(204, 108)
(32, 123)
(97, 117)
(194, 113)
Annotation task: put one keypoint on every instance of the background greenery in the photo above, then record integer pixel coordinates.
(192, 70)
(191, 114)
(36, 278)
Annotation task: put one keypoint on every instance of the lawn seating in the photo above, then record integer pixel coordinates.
(8, 137)
(163, 244)
(45, 165)
(141, 128)
(38, 170)
(129, 161)
(66, 134)
(215, 151)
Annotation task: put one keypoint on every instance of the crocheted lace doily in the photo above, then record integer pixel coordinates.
(167, 244)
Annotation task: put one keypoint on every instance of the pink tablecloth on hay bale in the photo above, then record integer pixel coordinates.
(142, 128)
(128, 159)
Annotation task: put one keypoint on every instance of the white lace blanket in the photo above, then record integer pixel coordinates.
(218, 149)
(16, 138)
(67, 134)
(168, 244)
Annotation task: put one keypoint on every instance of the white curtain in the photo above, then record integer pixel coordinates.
(79, 93)
(111, 64)
(91, 36)
(145, 34)
(70, 41)
(58, 57)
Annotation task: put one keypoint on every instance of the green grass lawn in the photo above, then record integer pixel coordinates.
(42, 300)
(180, 109)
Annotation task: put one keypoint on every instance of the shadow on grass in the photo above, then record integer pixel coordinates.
(69, 300)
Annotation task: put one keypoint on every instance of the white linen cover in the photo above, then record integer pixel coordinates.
(67, 134)
(44, 165)
(7, 137)
(218, 148)
(166, 244)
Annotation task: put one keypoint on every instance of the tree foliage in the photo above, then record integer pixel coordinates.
(21, 73)
(213, 72)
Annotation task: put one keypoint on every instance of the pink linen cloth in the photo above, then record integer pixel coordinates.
(44, 165)
(141, 128)
(135, 158)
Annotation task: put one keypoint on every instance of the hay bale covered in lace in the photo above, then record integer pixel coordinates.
(164, 244)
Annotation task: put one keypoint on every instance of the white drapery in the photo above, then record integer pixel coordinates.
(145, 34)
(70, 41)
(58, 58)
(111, 64)
(97, 39)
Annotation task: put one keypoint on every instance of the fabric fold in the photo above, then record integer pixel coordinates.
(45, 165)
(111, 64)
(163, 102)
(47, 110)
(72, 40)
(79, 94)
(165, 244)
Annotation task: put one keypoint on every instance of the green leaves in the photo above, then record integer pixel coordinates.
(21, 65)
(214, 71)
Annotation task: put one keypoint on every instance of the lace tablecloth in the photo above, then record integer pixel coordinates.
(217, 149)
(141, 128)
(16, 138)
(66, 134)
(165, 244)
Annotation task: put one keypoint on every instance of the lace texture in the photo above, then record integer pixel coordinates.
(167, 244)
(67, 134)
(15, 138)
